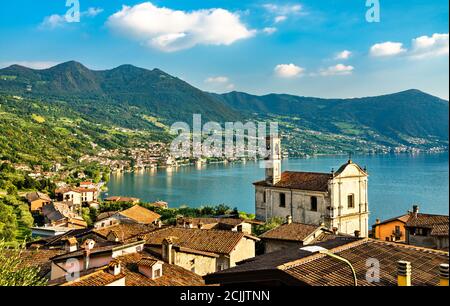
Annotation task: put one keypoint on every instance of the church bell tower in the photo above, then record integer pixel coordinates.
(273, 160)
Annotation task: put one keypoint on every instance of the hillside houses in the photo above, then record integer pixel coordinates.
(135, 214)
(37, 200)
(77, 195)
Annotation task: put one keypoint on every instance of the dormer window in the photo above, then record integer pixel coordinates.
(150, 267)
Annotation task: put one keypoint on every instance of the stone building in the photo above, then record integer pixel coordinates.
(337, 199)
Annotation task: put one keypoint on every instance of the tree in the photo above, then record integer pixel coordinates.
(11, 189)
(14, 272)
(8, 222)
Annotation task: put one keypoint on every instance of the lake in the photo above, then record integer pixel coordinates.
(395, 183)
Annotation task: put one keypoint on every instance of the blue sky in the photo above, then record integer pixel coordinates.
(323, 48)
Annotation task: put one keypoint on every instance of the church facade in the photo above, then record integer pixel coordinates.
(338, 199)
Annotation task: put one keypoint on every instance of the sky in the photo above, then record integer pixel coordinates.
(321, 48)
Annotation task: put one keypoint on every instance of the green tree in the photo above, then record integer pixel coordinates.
(11, 189)
(8, 222)
(14, 272)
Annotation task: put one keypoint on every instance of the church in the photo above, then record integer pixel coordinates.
(337, 199)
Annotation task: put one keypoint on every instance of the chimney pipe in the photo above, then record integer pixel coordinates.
(403, 273)
(288, 219)
(443, 275)
(200, 225)
(335, 230)
(357, 233)
(415, 209)
(87, 253)
(377, 221)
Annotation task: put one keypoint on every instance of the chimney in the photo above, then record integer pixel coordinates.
(167, 246)
(88, 246)
(288, 219)
(114, 267)
(200, 225)
(335, 230)
(357, 233)
(403, 273)
(443, 275)
(415, 210)
(377, 221)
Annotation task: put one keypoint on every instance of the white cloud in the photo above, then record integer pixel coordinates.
(172, 30)
(269, 30)
(430, 46)
(92, 11)
(288, 70)
(220, 83)
(343, 55)
(31, 64)
(55, 21)
(339, 69)
(282, 12)
(279, 19)
(283, 9)
(387, 49)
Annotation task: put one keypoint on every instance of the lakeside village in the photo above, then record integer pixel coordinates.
(305, 225)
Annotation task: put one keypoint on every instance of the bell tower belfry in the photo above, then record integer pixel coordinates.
(273, 160)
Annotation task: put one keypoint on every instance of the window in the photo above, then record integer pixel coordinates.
(314, 203)
(351, 201)
(282, 200)
(157, 273)
(264, 196)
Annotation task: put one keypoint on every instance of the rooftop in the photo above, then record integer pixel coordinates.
(213, 241)
(125, 232)
(140, 214)
(302, 267)
(301, 180)
(291, 232)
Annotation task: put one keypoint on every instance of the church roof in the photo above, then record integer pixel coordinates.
(301, 180)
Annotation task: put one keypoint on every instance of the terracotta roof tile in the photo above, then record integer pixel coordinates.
(172, 275)
(214, 241)
(98, 278)
(125, 232)
(426, 220)
(302, 180)
(292, 232)
(140, 214)
(326, 271)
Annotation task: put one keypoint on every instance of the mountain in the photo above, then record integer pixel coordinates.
(127, 105)
(412, 113)
(153, 91)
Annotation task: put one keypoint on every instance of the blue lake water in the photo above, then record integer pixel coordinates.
(395, 183)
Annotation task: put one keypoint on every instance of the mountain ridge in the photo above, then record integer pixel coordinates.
(137, 98)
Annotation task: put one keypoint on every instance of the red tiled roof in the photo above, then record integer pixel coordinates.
(322, 270)
(301, 180)
(172, 275)
(292, 232)
(214, 241)
(125, 232)
(140, 214)
(98, 278)
(439, 224)
(298, 266)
